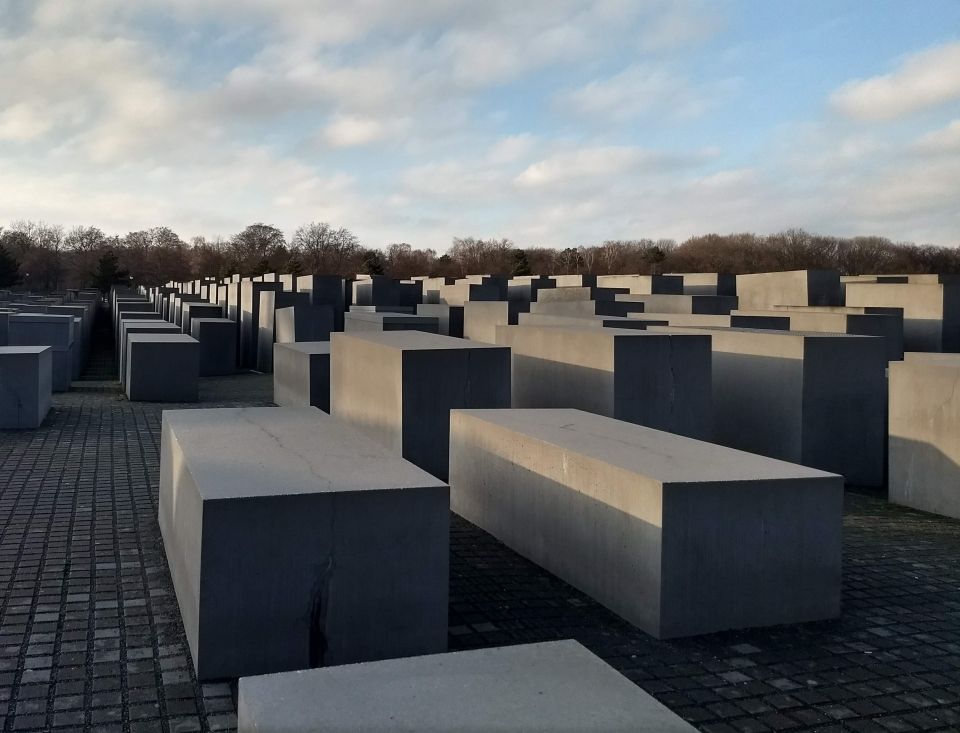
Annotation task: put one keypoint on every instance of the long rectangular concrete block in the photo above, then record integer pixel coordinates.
(552, 686)
(931, 311)
(399, 388)
(658, 380)
(795, 287)
(26, 384)
(294, 542)
(924, 449)
(384, 321)
(678, 536)
(301, 374)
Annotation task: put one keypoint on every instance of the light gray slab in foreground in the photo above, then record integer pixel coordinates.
(553, 686)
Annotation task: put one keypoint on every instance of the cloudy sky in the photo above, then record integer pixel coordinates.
(552, 122)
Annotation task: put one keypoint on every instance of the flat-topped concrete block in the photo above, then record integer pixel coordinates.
(26, 384)
(329, 290)
(643, 284)
(43, 329)
(924, 448)
(198, 310)
(162, 367)
(794, 287)
(707, 283)
(270, 302)
(218, 345)
(552, 686)
(812, 398)
(585, 308)
(303, 323)
(400, 387)
(449, 318)
(658, 380)
(295, 541)
(129, 326)
(931, 311)
(301, 374)
(250, 293)
(678, 536)
(384, 321)
(550, 319)
(480, 320)
(714, 304)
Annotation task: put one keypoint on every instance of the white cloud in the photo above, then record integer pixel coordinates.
(944, 140)
(923, 80)
(346, 131)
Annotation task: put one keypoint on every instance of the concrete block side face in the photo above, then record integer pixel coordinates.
(845, 407)
(924, 442)
(26, 384)
(593, 525)
(951, 318)
(746, 554)
(435, 382)
(758, 404)
(159, 371)
(366, 388)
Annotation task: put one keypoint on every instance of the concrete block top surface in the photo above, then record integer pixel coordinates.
(236, 453)
(415, 340)
(166, 338)
(661, 456)
(928, 358)
(530, 687)
(306, 347)
(759, 341)
(23, 350)
(388, 316)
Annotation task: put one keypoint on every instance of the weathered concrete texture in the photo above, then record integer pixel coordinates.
(811, 398)
(527, 289)
(449, 318)
(771, 321)
(26, 384)
(566, 294)
(551, 686)
(329, 290)
(162, 367)
(250, 294)
(303, 323)
(658, 380)
(796, 287)
(678, 536)
(887, 327)
(931, 312)
(713, 304)
(267, 328)
(42, 329)
(399, 388)
(218, 345)
(643, 284)
(574, 281)
(480, 320)
(707, 283)
(198, 310)
(301, 374)
(376, 322)
(464, 291)
(549, 319)
(130, 326)
(924, 449)
(585, 308)
(296, 542)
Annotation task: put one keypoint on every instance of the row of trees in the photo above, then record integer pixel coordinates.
(43, 257)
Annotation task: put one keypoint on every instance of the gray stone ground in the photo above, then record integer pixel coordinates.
(91, 638)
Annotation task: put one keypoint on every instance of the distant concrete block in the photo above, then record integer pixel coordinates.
(294, 541)
(303, 323)
(129, 326)
(553, 686)
(329, 290)
(217, 338)
(43, 329)
(26, 383)
(449, 318)
(198, 310)
(399, 388)
(931, 311)
(643, 284)
(162, 367)
(374, 322)
(678, 536)
(924, 429)
(301, 374)
(270, 302)
(480, 320)
(796, 287)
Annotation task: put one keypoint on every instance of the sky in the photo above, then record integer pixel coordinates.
(551, 122)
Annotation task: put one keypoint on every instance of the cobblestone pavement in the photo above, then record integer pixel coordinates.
(91, 638)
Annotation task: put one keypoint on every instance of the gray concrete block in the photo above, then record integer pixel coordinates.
(129, 326)
(267, 327)
(294, 541)
(374, 322)
(449, 318)
(162, 367)
(329, 290)
(217, 338)
(399, 388)
(550, 319)
(643, 284)
(301, 374)
(480, 320)
(552, 686)
(26, 383)
(795, 287)
(303, 323)
(658, 380)
(931, 312)
(924, 448)
(712, 304)
(43, 329)
(250, 293)
(678, 536)
(198, 310)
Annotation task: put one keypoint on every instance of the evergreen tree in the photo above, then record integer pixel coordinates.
(9, 269)
(371, 263)
(521, 265)
(109, 272)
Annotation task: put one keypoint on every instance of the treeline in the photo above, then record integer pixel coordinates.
(43, 257)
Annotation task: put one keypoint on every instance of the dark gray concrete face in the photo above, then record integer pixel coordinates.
(345, 546)
(301, 374)
(635, 376)
(924, 447)
(162, 367)
(686, 537)
(931, 311)
(553, 686)
(527, 290)
(129, 326)
(449, 318)
(42, 329)
(400, 387)
(377, 290)
(328, 290)
(26, 383)
(266, 331)
(218, 346)
(707, 283)
(303, 323)
(198, 310)
(375, 322)
(250, 293)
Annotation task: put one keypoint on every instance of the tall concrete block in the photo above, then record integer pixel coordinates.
(301, 374)
(480, 319)
(449, 318)
(162, 367)
(198, 310)
(267, 329)
(400, 387)
(553, 686)
(678, 536)
(294, 541)
(250, 293)
(924, 449)
(658, 380)
(217, 339)
(303, 323)
(327, 290)
(796, 287)
(26, 384)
